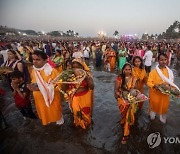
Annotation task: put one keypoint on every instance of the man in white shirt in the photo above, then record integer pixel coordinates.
(103, 47)
(148, 59)
(4, 54)
(77, 53)
(86, 53)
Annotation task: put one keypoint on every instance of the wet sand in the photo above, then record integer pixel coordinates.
(104, 136)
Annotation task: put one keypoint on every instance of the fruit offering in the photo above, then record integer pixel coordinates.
(71, 75)
(134, 96)
(5, 69)
(169, 90)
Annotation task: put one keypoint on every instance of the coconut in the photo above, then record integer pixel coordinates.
(165, 87)
(175, 92)
(133, 92)
(140, 96)
(124, 94)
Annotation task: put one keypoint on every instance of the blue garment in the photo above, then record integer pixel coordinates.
(115, 47)
(48, 50)
(98, 53)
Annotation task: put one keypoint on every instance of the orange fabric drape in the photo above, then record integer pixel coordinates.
(52, 113)
(112, 60)
(82, 102)
(141, 76)
(158, 102)
(82, 109)
(127, 110)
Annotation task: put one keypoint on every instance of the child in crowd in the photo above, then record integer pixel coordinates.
(21, 95)
(139, 72)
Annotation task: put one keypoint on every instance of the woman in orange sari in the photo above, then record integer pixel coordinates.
(112, 58)
(82, 101)
(125, 82)
(46, 96)
(140, 73)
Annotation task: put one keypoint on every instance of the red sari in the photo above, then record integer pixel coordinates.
(127, 110)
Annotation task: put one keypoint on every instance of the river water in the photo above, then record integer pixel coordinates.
(104, 136)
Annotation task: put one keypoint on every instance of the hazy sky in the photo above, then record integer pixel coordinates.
(90, 16)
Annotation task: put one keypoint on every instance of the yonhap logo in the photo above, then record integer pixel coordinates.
(154, 140)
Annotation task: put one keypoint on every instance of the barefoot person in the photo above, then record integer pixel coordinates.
(46, 96)
(140, 73)
(159, 102)
(124, 83)
(82, 102)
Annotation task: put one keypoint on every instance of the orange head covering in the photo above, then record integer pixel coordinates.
(81, 62)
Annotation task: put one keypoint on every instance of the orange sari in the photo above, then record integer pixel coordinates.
(82, 104)
(112, 59)
(127, 110)
(141, 76)
(52, 113)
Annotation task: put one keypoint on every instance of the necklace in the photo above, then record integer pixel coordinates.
(127, 80)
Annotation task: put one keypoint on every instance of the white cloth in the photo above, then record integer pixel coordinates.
(162, 118)
(148, 58)
(165, 79)
(54, 45)
(86, 52)
(47, 69)
(152, 115)
(5, 54)
(77, 54)
(61, 121)
(46, 88)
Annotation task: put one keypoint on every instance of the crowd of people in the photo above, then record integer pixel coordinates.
(33, 64)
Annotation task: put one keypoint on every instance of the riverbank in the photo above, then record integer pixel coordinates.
(104, 136)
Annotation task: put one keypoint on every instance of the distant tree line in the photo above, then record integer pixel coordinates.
(69, 33)
(5, 29)
(172, 32)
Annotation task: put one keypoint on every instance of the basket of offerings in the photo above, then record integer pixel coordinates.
(134, 96)
(70, 76)
(168, 90)
(5, 69)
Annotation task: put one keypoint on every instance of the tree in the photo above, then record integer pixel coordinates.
(71, 33)
(77, 34)
(29, 32)
(116, 33)
(145, 36)
(54, 33)
(152, 36)
(160, 37)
